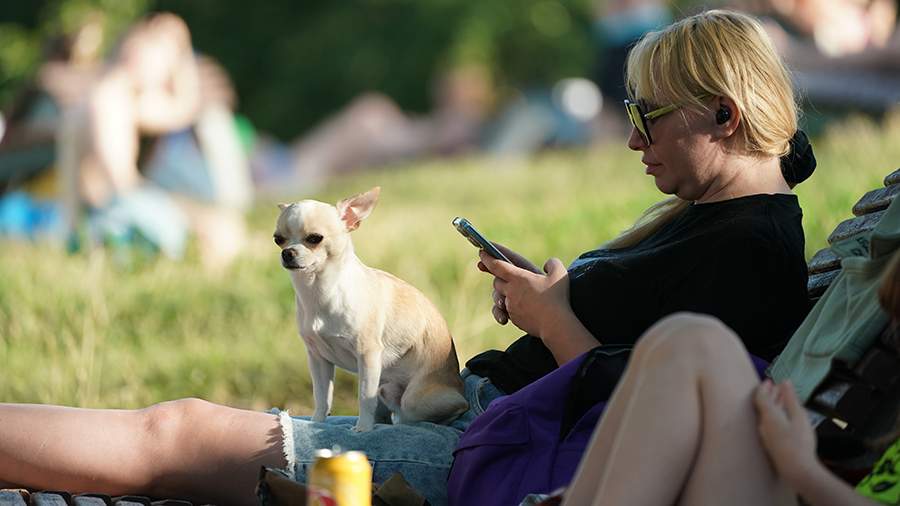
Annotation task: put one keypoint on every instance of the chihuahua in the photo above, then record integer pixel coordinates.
(365, 320)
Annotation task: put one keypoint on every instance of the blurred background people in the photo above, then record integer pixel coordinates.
(151, 149)
(373, 130)
(845, 53)
(155, 126)
(70, 63)
(146, 146)
(580, 110)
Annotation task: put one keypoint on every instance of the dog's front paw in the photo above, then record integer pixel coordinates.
(363, 427)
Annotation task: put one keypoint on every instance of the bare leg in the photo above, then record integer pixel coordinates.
(187, 448)
(370, 130)
(681, 427)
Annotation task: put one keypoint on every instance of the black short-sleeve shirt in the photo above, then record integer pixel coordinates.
(740, 260)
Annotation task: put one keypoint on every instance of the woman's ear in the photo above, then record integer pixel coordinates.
(727, 117)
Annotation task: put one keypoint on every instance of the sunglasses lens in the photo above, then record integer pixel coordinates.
(637, 119)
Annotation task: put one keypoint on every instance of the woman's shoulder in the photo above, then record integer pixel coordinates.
(755, 223)
(746, 214)
(752, 204)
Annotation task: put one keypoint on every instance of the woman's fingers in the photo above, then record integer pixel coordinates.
(500, 286)
(790, 402)
(500, 315)
(763, 398)
(498, 268)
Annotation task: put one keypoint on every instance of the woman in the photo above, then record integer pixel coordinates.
(712, 140)
(716, 448)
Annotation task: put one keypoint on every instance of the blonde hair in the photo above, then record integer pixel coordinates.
(714, 53)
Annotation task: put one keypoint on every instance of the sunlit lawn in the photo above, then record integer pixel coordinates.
(88, 330)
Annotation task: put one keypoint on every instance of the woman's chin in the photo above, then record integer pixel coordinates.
(664, 187)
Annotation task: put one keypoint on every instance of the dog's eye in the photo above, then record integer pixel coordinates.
(279, 239)
(314, 238)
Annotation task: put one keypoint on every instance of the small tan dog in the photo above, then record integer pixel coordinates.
(365, 320)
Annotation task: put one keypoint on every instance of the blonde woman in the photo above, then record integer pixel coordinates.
(715, 120)
(713, 116)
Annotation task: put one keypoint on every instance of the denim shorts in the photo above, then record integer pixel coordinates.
(421, 452)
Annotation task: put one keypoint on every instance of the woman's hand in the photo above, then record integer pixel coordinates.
(499, 307)
(785, 430)
(531, 299)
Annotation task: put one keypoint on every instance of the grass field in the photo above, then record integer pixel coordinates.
(88, 330)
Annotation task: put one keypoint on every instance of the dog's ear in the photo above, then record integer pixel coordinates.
(282, 207)
(353, 210)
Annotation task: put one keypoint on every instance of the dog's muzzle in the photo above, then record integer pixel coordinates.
(289, 259)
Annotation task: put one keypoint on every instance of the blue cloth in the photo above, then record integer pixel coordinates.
(421, 452)
(23, 217)
(178, 165)
(148, 211)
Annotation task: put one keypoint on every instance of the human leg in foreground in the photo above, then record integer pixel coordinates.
(187, 448)
(205, 452)
(681, 427)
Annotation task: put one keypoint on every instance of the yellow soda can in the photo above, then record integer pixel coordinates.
(339, 479)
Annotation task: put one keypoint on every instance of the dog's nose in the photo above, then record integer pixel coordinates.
(288, 254)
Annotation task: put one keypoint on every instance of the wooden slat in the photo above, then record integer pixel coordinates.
(824, 260)
(892, 178)
(815, 418)
(92, 500)
(12, 498)
(876, 200)
(853, 226)
(818, 283)
(50, 499)
(830, 396)
(131, 500)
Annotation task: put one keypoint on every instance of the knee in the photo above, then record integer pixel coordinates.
(165, 429)
(688, 337)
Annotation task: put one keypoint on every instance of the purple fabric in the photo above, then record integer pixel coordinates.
(760, 365)
(513, 449)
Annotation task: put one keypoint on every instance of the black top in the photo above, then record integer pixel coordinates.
(741, 260)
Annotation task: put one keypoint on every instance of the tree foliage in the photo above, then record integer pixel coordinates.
(293, 63)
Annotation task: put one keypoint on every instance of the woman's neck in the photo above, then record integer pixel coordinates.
(744, 176)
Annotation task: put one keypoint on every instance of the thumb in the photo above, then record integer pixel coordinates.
(554, 266)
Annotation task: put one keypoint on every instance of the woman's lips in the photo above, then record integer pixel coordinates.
(652, 168)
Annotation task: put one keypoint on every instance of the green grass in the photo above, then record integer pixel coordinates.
(87, 330)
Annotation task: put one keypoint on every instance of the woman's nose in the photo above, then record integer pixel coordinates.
(636, 140)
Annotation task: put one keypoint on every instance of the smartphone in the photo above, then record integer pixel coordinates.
(468, 231)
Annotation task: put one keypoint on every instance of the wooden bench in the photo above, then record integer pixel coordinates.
(856, 402)
(25, 498)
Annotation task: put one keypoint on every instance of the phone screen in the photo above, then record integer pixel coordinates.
(479, 241)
